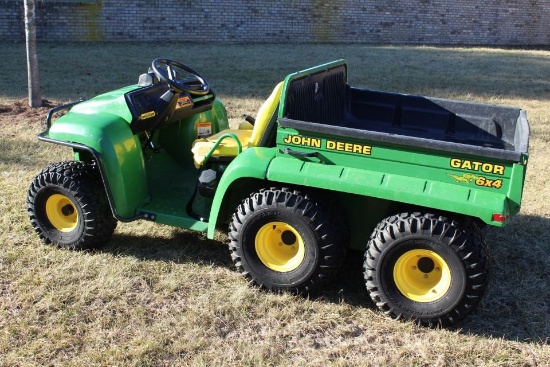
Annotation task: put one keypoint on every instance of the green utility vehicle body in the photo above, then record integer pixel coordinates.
(367, 155)
(406, 149)
(100, 129)
(458, 157)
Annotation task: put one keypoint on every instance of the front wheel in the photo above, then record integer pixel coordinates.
(67, 206)
(283, 241)
(426, 268)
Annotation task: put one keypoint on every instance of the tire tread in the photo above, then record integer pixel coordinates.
(83, 182)
(465, 239)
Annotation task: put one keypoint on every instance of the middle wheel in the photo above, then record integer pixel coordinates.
(283, 241)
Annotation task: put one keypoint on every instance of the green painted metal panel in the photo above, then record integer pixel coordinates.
(172, 187)
(474, 186)
(390, 186)
(252, 163)
(515, 189)
(178, 137)
(119, 150)
(103, 124)
(112, 102)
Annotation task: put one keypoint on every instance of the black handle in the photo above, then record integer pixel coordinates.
(300, 154)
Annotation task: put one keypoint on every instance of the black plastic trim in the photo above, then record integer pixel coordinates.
(300, 154)
(56, 109)
(197, 104)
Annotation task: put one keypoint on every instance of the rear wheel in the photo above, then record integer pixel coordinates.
(68, 207)
(426, 268)
(282, 240)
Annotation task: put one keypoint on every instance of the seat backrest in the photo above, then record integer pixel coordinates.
(264, 115)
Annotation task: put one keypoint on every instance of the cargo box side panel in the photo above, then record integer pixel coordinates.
(448, 181)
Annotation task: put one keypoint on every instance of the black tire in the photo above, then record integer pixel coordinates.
(426, 268)
(67, 206)
(282, 240)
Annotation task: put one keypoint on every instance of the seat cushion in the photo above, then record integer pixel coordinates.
(227, 148)
(248, 135)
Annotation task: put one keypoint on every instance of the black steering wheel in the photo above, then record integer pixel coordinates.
(164, 69)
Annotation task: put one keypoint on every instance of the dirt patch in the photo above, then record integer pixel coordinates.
(18, 112)
(21, 107)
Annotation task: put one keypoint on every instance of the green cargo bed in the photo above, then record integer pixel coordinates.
(449, 155)
(324, 103)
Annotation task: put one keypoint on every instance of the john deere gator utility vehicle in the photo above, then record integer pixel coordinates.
(323, 167)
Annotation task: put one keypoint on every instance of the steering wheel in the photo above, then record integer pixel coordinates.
(164, 69)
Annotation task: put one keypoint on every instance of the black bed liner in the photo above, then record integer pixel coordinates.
(325, 104)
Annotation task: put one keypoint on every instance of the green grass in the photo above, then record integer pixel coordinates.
(160, 296)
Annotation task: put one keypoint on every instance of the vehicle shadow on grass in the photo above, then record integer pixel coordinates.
(194, 247)
(516, 305)
(348, 287)
(182, 247)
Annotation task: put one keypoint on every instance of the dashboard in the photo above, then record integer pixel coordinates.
(151, 103)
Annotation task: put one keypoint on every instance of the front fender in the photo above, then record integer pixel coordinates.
(117, 150)
(252, 163)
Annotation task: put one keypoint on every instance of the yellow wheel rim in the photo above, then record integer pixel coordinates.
(422, 275)
(280, 247)
(61, 213)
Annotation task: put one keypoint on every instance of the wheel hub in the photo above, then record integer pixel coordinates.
(422, 275)
(67, 210)
(426, 265)
(61, 213)
(288, 238)
(279, 246)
